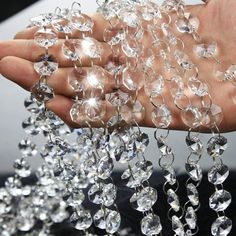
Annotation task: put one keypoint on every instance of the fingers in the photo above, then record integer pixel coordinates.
(28, 50)
(62, 105)
(22, 72)
(99, 25)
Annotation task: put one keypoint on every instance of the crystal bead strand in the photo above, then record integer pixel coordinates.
(218, 173)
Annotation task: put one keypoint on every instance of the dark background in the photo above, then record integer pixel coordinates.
(11, 7)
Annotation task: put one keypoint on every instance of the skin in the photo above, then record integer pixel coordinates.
(219, 24)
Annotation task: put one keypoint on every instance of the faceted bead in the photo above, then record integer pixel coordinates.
(27, 148)
(46, 66)
(170, 176)
(144, 200)
(42, 92)
(70, 49)
(118, 98)
(154, 85)
(142, 142)
(30, 126)
(58, 211)
(218, 174)
(42, 20)
(194, 171)
(81, 219)
(173, 200)
(189, 26)
(33, 105)
(131, 47)
(94, 109)
(45, 38)
(177, 226)
(220, 200)
(133, 79)
(163, 147)
(183, 60)
(197, 87)
(91, 47)
(109, 194)
(222, 226)
(22, 168)
(151, 225)
(5, 201)
(230, 74)
(177, 86)
(82, 22)
(161, 117)
(105, 167)
(194, 144)
(113, 36)
(213, 116)
(191, 218)
(95, 193)
(113, 221)
(205, 50)
(99, 219)
(13, 186)
(192, 194)
(191, 116)
(130, 18)
(216, 146)
(75, 79)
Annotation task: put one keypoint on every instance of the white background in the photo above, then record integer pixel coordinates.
(11, 100)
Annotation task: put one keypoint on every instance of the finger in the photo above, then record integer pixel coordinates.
(99, 25)
(22, 72)
(28, 50)
(62, 105)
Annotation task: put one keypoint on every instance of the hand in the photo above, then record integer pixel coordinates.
(17, 65)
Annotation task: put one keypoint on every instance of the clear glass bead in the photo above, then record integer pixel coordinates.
(218, 174)
(45, 38)
(194, 144)
(144, 200)
(109, 194)
(161, 117)
(30, 126)
(197, 87)
(113, 222)
(191, 218)
(170, 175)
(82, 22)
(191, 116)
(154, 85)
(91, 47)
(177, 226)
(205, 50)
(22, 168)
(194, 171)
(42, 20)
(27, 148)
(173, 200)
(46, 66)
(192, 194)
(151, 225)
(220, 200)
(42, 92)
(221, 226)
(70, 49)
(81, 219)
(216, 146)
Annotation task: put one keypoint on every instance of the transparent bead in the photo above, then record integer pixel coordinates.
(183, 60)
(5, 201)
(173, 200)
(154, 85)
(22, 168)
(218, 174)
(45, 38)
(70, 49)
(170, 176)
(151, 225)
(118, 98)
(109, 194)
(161, 117)
(46, 66)
(30, 126)
(91, 47)
(216, 146)
(13, 186)
(133, 79)
(177, 226)
(95, 193)
(144, 200)
(114, 36)
(213, 116)
(131, 47)
(105, 167)
(113, 221)
(185, 25)
(194, 144)
(191, 218)
(191, 116)
(205, 50)
(130, 18)
(58, 211)
(81, 219)
(163, 147)
(220, 200)
(42, 20)
(222, 226)
(197, 87)
(194, 171)
(27, 148)
(42, 92)
(142, 142)
(171, 5)
(99, 219)
(94, 109)
(230, 74)
(33, 105)
(75, 79)
(177, 86)
(82, 22)
(192, 194)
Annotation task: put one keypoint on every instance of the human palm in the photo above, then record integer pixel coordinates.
(217, 22)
